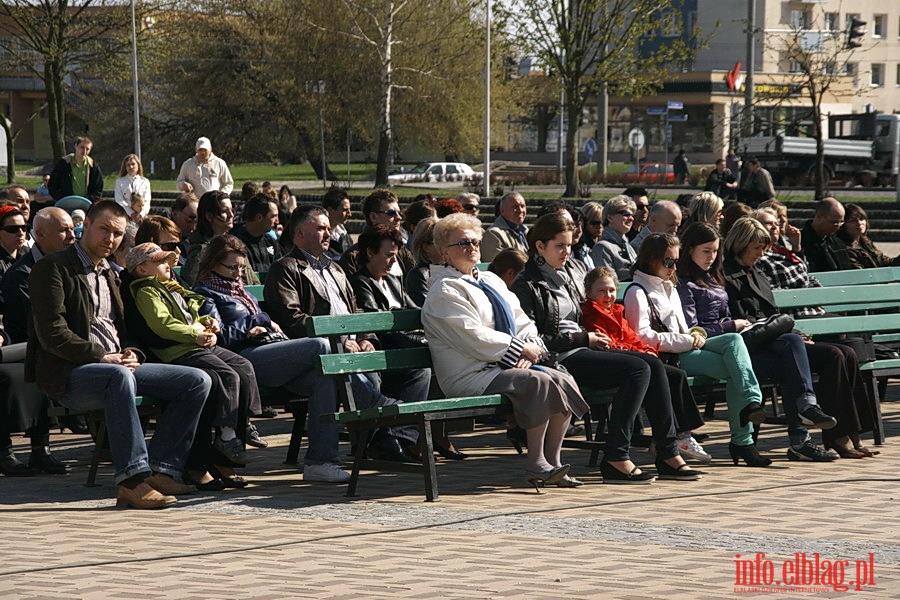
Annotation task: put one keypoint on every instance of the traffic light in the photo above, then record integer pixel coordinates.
(856, 29)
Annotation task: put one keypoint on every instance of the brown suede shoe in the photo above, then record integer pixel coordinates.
(143, 496)
(164, 484)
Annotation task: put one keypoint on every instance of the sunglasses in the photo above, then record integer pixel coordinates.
(625, 213)
(669, 262)
(643, 206)
(470, 207)
(392, 213)
(169, 246)
(235, 268)
(14, 228)
(466, 244)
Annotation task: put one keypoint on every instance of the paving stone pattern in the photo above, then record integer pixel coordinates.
(490, 536)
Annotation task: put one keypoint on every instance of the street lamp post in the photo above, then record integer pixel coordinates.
(487, 100)
(134, 82)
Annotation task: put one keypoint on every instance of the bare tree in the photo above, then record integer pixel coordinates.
(588, 43)
(816, 59)
(54, 39)
(11, 135)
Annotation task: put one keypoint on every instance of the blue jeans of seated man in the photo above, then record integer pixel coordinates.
(725, 357)
(291, 364)
(785, 360)
(114, 387)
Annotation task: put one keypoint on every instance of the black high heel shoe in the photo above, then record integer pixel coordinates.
(517, 437)
(551, 475)
(750, 455)
(752, 413)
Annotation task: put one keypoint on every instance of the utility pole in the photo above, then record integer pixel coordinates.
(487, 99)
(751, 67)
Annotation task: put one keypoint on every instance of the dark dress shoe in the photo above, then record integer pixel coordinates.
(268, 412)
(13, 467)
(386, 447)
(42, 460)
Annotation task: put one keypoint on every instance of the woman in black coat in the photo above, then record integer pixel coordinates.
(840, 389)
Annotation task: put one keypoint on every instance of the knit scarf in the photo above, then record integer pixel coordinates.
(230, 287)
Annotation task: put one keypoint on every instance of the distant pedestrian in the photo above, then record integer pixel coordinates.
(204, 172)
(682, 167)
(757, 187)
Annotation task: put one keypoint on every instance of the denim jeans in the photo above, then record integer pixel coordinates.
(785, 360)
(725, 357)
(291, 364)
(113, 389)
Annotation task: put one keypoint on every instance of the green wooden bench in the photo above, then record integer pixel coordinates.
(841, 298)
(858, 276)
(421, 414)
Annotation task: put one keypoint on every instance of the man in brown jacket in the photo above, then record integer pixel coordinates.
(76, 357)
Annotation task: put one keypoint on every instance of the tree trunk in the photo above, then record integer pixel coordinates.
(10, 150)
(56, 105)
(386, 130)
(819, 177)
(573, 110)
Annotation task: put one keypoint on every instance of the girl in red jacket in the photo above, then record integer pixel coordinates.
(602, 315)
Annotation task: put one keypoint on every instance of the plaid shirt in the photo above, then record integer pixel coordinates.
(786, 270)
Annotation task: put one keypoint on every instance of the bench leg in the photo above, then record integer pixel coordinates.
(426, 444)
(360, 438)
(871, 382)
(299, 410)
(99, 428)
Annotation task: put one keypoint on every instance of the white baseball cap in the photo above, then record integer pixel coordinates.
(203, 143)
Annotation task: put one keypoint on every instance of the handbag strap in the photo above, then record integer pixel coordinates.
(656, 322)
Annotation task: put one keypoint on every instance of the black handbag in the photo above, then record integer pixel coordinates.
(766, 330)
(656, 324)
(269, 337)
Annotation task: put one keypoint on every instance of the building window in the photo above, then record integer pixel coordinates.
(670, 24)
(898, 76)
(800, 19)
(829, 68)
(877, 74)
(832, 21)
(879, 24)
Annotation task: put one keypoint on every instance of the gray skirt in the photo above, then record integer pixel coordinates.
(536, 395)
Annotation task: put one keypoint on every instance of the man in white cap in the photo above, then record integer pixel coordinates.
(204, 172)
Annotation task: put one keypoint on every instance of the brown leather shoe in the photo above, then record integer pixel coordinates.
(142, 496)
(164, 484)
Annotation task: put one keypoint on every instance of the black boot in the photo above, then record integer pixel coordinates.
(42, 460)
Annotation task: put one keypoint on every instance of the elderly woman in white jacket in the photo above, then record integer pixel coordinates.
(653, 309)
(482, 343)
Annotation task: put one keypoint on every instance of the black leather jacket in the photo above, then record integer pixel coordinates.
(541, 306)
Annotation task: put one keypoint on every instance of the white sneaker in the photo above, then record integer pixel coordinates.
(328, 472)
(689, 448)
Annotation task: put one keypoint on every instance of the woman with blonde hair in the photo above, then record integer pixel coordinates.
(704, 207)
(614, 250)
(482, 342)
(132, 181)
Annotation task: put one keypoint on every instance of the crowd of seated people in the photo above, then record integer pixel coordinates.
(540, 323)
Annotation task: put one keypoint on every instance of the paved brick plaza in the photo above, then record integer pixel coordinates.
(490, 536)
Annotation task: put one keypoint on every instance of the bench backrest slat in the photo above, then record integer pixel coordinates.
(395, 320)
(855, 324)
(844, 294)
(858, 276)
(365, 362)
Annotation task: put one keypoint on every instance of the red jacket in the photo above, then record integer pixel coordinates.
(612, 322)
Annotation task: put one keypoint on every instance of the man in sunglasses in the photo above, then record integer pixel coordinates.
(508, 230)
(638, 195)
(824, 250)
(381, 207)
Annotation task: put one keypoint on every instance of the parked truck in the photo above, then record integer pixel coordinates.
(861, 149)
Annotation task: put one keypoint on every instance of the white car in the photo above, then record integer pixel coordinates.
(434, 171)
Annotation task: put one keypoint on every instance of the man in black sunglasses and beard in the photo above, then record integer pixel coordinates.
(381, 207)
